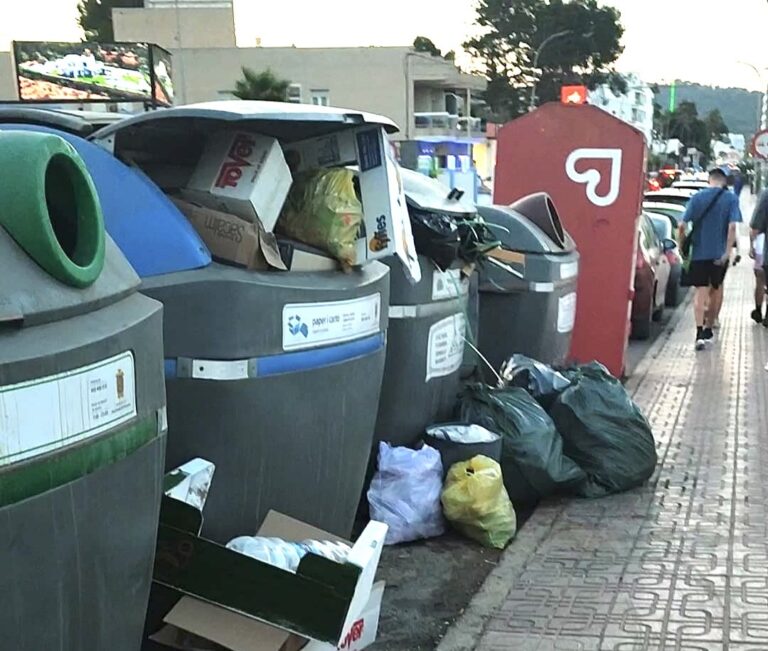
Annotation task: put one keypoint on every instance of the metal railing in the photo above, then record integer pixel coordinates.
(446, 122)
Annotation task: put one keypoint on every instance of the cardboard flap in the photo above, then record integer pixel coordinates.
(277, 525)
(229, 629)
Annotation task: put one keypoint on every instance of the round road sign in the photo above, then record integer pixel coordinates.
(760, 145)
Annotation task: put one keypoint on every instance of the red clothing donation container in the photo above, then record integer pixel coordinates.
(593, 166)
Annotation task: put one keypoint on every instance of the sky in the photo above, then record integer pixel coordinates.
(705, 41)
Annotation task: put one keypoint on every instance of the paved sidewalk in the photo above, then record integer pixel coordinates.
(679, 564)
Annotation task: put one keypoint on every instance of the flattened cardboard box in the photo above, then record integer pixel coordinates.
(233, 239)
(232, 629)
(386, 228)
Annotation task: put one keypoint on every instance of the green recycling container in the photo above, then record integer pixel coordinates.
(82, 412)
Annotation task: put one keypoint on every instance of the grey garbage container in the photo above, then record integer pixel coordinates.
(528, 297)
(427, 328)
(287, 420)
(82, 438)
(425, 349)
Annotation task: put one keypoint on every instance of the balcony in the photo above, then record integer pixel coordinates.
(445, 125)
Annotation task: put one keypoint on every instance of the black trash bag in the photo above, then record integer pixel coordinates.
(532, 459)
(436, 236)
(540, 380)
(604, 431)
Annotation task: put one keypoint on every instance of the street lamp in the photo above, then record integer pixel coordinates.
(547, 41)
(762, 121)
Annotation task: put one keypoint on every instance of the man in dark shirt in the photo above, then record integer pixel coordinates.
(713, 214)
(759, 226)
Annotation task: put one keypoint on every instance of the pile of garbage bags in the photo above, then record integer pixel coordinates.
(575, 431)
(541, 432)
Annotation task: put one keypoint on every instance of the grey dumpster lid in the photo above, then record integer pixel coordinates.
(518, 233)
(32, 297)
(284, 121)
(429, 194)
(10, 114)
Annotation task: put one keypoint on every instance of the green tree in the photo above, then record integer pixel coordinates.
(686, 125)
(424, 44)
(95, 17)
(716, 126)
(261, 85)
(576, 42)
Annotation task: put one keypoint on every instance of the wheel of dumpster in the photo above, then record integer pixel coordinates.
(50, 206)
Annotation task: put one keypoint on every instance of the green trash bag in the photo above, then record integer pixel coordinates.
(604, 431)
(476, 504)
(532, 458)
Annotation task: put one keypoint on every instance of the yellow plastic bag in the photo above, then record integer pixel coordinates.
(323, 210)
(476, 503)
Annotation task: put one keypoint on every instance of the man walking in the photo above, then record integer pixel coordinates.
(757, 235)
(712, 215)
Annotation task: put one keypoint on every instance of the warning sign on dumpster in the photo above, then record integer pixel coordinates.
(53, 412)
(446, 346)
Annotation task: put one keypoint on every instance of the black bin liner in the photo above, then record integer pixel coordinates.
(532, 458)
(604, 431)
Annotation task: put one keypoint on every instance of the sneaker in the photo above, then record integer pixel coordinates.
(707, 334)
(701, 344)
(757, 315)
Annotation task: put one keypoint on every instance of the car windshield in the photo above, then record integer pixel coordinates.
(662, 227)
(672, 212)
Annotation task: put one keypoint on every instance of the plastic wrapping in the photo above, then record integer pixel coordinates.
(604, 431)
(540, 380)
(323, 210)
(287, 555)
(405, 493)
(532, 458)
(476, 503)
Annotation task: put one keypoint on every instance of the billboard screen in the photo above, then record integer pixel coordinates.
(92, 72)
(162, 75)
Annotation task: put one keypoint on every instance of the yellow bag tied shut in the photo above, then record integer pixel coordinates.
(323, 210)
(476, 503)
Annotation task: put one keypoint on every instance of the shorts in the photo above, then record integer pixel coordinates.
(705, 273)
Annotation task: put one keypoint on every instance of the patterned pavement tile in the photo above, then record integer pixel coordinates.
(681, 563)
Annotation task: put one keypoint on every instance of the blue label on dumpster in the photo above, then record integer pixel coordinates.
(368, 150)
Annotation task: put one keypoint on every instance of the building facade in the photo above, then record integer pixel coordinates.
(635, 106)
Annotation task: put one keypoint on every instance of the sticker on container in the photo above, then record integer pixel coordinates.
(46, 414)
(448, 284)
(446, 346)
(569, 270)
(309, 325)
(566, 312)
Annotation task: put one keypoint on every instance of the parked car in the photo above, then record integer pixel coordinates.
(677, 196)
(665, 228)
(672, 210)
(690, 184)
(652, 272)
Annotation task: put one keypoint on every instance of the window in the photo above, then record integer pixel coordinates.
(320, 97)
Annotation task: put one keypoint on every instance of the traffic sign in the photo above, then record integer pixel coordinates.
(760, 144)
(573, 94)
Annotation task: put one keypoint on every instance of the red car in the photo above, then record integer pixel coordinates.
(652, 271)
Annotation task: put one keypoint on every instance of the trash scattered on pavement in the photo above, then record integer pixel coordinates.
(604, 431)
(532, 459)
(476, 503)
(405, 493)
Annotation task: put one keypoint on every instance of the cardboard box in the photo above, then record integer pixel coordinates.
(242, 604)
(243, 174)
(386, 229)
(233, 239)
(301, 257)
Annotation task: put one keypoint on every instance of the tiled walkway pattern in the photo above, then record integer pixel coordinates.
(683, 562)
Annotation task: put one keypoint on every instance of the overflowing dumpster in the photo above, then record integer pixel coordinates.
(528, 288)
(82, 412)
(274, 376)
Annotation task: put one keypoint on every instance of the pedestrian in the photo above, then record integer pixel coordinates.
(712, 215)
(757, 248)
(759, 226)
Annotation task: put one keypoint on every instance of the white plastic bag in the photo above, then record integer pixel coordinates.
(405, 493)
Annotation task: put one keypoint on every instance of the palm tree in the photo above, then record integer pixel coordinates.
(261, 85)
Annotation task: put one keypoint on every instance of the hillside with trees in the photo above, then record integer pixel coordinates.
(739, 107)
